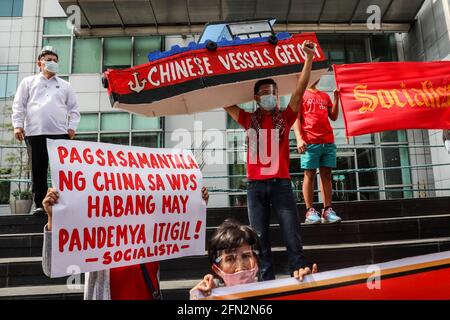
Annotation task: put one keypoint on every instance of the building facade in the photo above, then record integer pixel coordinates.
(27, 25)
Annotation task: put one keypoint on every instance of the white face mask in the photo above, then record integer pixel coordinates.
(240, 277)
(51, 66)
(268, 102)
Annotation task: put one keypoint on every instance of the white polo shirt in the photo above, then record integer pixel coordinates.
(45, 106)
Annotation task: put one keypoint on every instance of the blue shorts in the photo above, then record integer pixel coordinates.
(319, 155)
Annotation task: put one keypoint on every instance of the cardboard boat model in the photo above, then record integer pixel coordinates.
(209, 74)
(423, 277)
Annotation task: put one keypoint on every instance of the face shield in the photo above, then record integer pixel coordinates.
(268, 97)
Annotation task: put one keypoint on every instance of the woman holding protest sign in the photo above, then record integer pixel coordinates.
(136, 282)
(233, 255)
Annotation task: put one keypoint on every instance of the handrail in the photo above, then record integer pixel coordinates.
(338, 146)
(218, 190)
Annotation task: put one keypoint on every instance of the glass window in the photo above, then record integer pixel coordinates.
(8, 85)
(5, 191)
(146, 139)
(3, 84)
(92, 137)
(249, 107)
(327, 83)
(369, 195)
(11, 8)
(236, 147)
(9, 68)
(62, 46)
(119, 121)
(355, 50)
(339, 137)
(296, 178)
(384, 48)
(143, 46)
(339, 123)
(116, 138)
(341, 49)
(86, 55)
(114, 128)
(394, 194)
(117, 53)
(11, 85)
(145, 123)
(391, 158)
(337, 56)
(293, 144)
(88, 122)
(236, 159)
(344, 181)
(333, 49)
(56, 26)
(393, 136)
(395, 157)
(365, 139)
(404, 162)
(239, 182)
(239, 200)
(367, 159)
(5, 186)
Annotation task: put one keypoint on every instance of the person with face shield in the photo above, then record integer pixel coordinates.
(233, 255)
(269, 184)
(44, 107)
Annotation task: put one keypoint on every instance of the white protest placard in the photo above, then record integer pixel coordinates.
(122, 205)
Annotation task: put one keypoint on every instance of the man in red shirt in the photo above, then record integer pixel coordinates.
(268, 177)
(315, 141)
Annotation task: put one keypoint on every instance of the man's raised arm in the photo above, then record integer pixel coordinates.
(302, 84)
(233, 111)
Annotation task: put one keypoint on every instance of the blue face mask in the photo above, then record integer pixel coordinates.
(51, 66)
(268, 102)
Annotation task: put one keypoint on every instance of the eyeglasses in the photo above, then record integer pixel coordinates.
(51, 59)
(267, 92)
(267, 89)
(231, 259)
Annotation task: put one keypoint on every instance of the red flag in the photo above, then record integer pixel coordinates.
(394, 95)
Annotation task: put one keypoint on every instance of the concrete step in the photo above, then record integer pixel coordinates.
(351, 210)
(16, 272)
(354, 231)
(348, 210)
(171, 290)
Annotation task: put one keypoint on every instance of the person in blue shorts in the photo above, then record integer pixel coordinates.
(315, 143)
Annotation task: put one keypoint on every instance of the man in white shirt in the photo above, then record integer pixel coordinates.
(44, 107)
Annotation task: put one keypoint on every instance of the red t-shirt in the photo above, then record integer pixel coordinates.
(315, 126)
(265, 167)
(128, 283)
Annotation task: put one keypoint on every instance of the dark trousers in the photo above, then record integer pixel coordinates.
(38, 160)
(261, 194)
